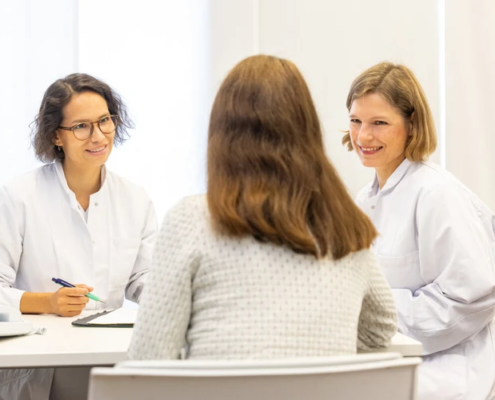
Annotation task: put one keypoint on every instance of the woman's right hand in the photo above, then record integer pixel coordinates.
(69, 302)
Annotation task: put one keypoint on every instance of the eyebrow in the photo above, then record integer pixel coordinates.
(87, 120)
(374, 117)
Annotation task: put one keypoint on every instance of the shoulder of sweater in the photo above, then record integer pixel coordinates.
(362, 260)
(191, 211)
(194, 206)
(362, 256)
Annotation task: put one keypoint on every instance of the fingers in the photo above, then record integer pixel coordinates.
(75, 291)
(71, 313)
(72, 296)
(77, 300)
(69, 302)
(81, 285)
(71, 310)
(75, 307)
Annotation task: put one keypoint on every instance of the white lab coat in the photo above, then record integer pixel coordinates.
(44, 234)
(436, 247)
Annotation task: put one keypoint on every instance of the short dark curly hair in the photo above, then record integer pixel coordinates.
(50, 116)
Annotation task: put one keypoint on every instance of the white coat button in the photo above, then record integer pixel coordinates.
(96, 204)
(372, 207)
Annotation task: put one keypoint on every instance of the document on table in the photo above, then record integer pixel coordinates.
(119, 318)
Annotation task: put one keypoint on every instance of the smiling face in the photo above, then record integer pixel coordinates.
(378, 133)
(92, 152)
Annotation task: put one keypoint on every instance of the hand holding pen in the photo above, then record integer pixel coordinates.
(71, 299)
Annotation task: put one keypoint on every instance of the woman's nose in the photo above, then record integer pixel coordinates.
(365, 133)
(97, 134)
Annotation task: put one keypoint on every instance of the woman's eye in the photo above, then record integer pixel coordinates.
(380, 123)
(82, 125)
(104, 119)
(355, 121)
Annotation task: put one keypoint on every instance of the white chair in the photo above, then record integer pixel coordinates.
(382, 376)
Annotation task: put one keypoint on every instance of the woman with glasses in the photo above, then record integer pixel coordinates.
(72, 218)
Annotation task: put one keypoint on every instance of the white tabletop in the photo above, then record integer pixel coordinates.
(404, 345)
(66, 345)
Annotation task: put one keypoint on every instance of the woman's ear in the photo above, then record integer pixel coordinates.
(56, 140)
(411, 123)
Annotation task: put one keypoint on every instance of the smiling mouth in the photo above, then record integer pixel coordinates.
(97, 150)
(370, 150)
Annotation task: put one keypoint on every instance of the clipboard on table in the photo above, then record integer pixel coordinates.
(120, 318)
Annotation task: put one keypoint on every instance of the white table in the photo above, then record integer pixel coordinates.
(64, 345)
(400, 344)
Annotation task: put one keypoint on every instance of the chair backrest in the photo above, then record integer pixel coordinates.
(368, 376)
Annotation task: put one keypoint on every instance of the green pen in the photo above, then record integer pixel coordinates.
(63, 283)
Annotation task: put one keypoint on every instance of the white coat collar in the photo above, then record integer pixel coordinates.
(392, 181)
(63, 181)
(396, 176)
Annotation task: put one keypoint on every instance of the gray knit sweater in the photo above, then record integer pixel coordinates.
(227, 298)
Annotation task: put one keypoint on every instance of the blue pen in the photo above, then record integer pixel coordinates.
(63, 283)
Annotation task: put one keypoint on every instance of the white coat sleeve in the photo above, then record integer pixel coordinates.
(11, 239)
(165, 308)
(141, 267)
(455, 245)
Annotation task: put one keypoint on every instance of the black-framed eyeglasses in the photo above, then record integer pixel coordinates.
(83, 130)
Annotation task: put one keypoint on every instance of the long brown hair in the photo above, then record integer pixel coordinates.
(268, 175)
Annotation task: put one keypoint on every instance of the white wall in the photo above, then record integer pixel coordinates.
(167, 59)
(332, 42)
(37, 46)
(233, 35)
(156, 56)
(470, 103)
(449, 44)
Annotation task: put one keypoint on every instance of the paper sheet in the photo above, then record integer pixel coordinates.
(116, 317)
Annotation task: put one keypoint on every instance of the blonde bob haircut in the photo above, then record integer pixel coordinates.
(398, 85)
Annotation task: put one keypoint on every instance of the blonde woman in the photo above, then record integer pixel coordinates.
(274, 260)
(436, 245)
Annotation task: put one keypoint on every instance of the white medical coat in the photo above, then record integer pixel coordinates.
(436, 247)
(44, 234)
